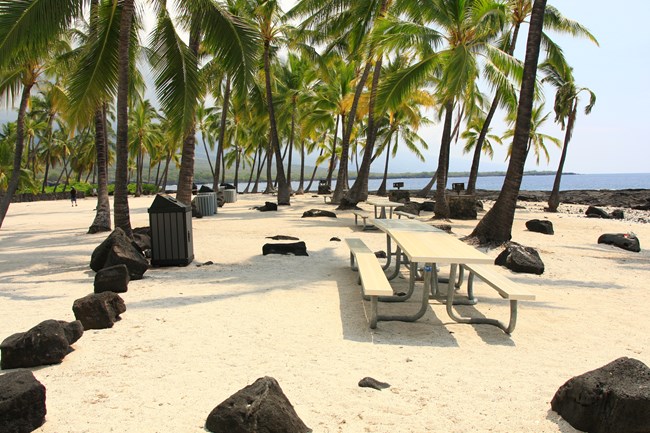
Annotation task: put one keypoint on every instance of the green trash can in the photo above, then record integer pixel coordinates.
(171, 232)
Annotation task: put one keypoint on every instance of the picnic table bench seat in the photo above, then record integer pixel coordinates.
(371, 276)
(364, 215)
(506, 288)
(401, 213)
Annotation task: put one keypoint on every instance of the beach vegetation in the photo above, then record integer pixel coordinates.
(348, 82)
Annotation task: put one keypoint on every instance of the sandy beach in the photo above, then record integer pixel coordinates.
(194, 335)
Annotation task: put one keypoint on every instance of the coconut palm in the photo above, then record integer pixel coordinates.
(519, 12)
(468, 29)
(566, 111)
(22, 64)
(144, 132)
(496, 224)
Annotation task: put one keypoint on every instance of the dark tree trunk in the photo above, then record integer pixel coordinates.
(102, 222)
(18, 153)
(259, 170)
(496, 225)
(359, 190)
(554, 198)
(120, 196)
(342, 178)
(441, 207)
(222, 135)
(284, 195)
(332, 163)
(301, 184)
(382, 188)
(313, 174)
(186, 172)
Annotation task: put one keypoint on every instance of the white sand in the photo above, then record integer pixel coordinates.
(192, 336)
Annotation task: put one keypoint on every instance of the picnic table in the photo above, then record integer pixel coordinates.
(380, 204)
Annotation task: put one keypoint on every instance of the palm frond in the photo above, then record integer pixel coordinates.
(395, 86)
(554, 20)
(95, 78)
(28, 26)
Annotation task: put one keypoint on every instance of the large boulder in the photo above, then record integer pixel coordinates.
(45, 344)
(22, 402)
(427, 206)
(612, 399)
(260, 407)
(112, 279)
(626, 241)
(399, 196)
(314, 213)
(410, 207)
(117, 249)
(519, 258)
(540, 226)
(462, 207)
(142, 238)
(295, 248)
(99, 310)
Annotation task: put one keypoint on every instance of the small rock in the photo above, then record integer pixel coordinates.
(268, 206)
(112, 279)
(99, 310)
(335, 239)
(282, 238)
(595, 212)
(519, 258)
(313, 213)
(369, 382)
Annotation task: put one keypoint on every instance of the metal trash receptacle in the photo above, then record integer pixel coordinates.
(206, 202)
(172, 241)
(229, 195)
(323, 187)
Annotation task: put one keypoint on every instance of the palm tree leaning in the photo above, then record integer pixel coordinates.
(496, 224)
(519, 11)
(566, 111)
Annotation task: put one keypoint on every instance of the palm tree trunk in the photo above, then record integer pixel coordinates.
(186, 173)
(359, 190)
(496, 225)
(269, 172)
(291, 138)
(313, 174)
(441, 207)
(222, 135)
(301, 184)
(102, 221)
(342, 178)
(121, 202)
(260, 167)
(332, 164)
(18, 153)
(554, 198)
(253, 170)
(138, 170)
(382, 188)
(284, 195)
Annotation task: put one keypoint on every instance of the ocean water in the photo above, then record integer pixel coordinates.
(611, 181)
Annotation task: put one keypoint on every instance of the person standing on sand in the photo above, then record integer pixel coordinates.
(73, 196)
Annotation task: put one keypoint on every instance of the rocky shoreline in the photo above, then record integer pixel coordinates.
(638, 199)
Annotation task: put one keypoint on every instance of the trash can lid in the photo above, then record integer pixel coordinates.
(164, 203)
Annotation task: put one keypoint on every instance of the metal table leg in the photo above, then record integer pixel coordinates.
(425, 299)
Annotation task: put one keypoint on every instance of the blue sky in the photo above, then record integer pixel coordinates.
(613, 138)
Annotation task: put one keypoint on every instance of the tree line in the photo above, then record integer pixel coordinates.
(259, 88)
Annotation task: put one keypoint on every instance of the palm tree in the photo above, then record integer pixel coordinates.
(266, 14)
(21, 66)
(519, 11)
(144, 131)
(538, 139)
(566, 111)
(496, 224)
(468, 29)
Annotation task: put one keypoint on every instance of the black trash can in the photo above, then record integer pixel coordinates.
(171, 232)
(323, 187)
